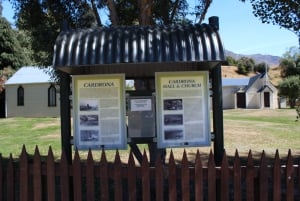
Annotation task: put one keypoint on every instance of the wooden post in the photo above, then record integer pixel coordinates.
(65, 115)
(216, 75)
(217, 114)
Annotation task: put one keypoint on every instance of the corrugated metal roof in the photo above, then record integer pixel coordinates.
(29, 75)
(235, 81)
(245, 83)
(120, 46)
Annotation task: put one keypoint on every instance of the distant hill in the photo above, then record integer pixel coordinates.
(258, 58)
(231, 72)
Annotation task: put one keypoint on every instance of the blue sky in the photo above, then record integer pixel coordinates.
(240, 31)
(243, 33)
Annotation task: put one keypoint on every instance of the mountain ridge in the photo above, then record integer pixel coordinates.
(258, 58)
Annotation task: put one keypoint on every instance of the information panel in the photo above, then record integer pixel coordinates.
(182, 105)
(99, 111)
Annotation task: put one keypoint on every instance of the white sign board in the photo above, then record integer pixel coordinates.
(99, 111)
(140, 105)
(182, 105)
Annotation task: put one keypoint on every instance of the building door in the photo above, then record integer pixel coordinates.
(241, 100)
(266, 99)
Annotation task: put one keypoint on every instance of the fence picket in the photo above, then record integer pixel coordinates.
(118, 177)
(90, 183)
(1, 178)
(224, 179)
(65, 181)
(263, 178)
(277, 178)
(77, 182)
(298, 179)
(145, 178)
(250, 175)
(211, 178)
(185, 177)
(10, 179)
(131, 178)
(24, 172)
(35, 179)
(172, 178)
(289, 178)
(237, 178)
(50, 176)
(159, 179)
(198, 178)
(37, 176)
(104, 193)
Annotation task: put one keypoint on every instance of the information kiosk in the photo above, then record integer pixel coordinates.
(175, 68)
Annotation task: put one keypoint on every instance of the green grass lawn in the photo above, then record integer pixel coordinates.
(41, 132)
(258, 130)
(243, 130)
(32, 132)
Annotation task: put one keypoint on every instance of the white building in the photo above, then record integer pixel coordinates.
(255, 92)
(31, 93)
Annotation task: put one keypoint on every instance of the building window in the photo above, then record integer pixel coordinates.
(51, 96)
(20, 96)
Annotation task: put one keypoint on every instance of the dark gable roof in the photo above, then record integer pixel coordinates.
(138, 50)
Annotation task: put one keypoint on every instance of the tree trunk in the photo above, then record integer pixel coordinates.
(96, 13)
(145, 7)
(113, 12)
(164, 11)
(174, 10)
(206, 6)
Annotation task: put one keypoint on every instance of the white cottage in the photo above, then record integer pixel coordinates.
(30, 93)
(255, 92)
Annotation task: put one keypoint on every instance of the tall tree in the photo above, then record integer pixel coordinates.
(290, 87)
(284, 13)
(12, 54)
(42, 19)
(290, 70)
(290, 63)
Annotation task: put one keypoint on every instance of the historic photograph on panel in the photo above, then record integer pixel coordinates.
(173, 104)
(89, 135)
(182, 109)
(173, 119)
(88, 105)
(173, 134)
(99, 111)
(89, 120)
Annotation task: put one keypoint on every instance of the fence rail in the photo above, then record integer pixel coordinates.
(35, 179)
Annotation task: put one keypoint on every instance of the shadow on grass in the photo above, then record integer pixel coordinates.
(255, 155)
(243, 158)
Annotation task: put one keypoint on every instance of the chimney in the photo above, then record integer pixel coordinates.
(214, 22)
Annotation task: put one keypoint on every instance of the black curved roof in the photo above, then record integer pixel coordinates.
(138, 51)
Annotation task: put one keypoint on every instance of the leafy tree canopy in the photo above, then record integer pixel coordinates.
(231, 61)
(290, 87)
(284, 13)
(245, 65)
(43, 19)
(261, 67)
(12, 53)
(290, 63)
